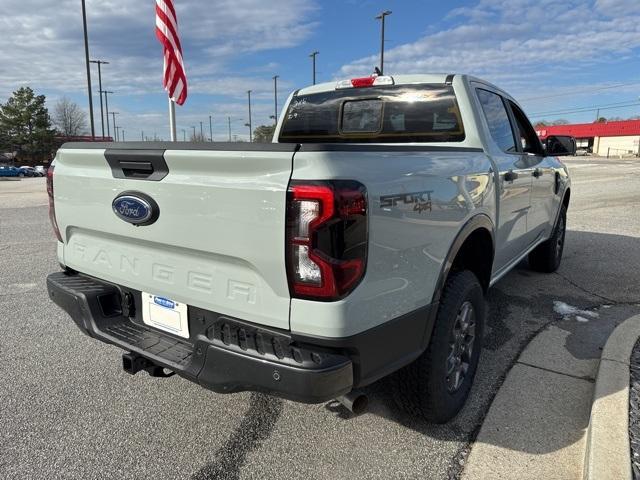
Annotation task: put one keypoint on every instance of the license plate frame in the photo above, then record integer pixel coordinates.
(165, 314)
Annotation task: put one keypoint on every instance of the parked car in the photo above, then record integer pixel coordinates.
(42, 171)
(398, 200)
(11, 172)
(29, 171)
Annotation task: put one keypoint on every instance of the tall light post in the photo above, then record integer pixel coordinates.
(100, 63)
(184, 135)
(116, 128)
(381, 18)
(229, 120)
(115, 131)
(313, 56)
(106, 104)
(275, 97)
(249, 124)
(122, 134)
(194, 132)
(210, 129)
(86, 58)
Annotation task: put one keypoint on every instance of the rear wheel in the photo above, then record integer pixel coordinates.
(436, 386)
(547, 256)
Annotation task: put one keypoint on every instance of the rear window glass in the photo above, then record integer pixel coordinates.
(402, 113)
(361, 116)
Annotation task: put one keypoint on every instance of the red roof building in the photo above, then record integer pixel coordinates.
(618, 138)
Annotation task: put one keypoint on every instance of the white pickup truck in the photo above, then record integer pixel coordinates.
(360, 243)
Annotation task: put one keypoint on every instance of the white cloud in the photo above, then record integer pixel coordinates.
(618, 7)
(44, 49)
(519, 43)
(44, 46)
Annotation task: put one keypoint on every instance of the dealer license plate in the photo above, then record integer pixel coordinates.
(165, 314)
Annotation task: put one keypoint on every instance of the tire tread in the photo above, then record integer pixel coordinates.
(413, 392)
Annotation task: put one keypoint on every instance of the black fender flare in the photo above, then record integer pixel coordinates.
(565, 192)
(480, 220)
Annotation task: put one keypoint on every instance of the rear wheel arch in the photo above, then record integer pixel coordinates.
(472, 249)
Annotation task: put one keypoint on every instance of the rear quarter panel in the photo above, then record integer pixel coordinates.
(407, 244)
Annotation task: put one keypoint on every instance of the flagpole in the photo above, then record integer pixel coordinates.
(172, 119)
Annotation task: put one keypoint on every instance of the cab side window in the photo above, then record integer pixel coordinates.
(526, 134)
(497, 118)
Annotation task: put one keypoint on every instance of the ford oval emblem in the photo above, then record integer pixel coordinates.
(135, 208)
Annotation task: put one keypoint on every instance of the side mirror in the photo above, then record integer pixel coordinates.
(560, 145)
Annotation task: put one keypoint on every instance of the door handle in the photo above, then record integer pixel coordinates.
(510, 176)
(537, 173)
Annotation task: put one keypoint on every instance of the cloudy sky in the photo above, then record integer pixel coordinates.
(556, 57)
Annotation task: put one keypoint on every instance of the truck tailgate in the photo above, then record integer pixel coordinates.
(218, 242)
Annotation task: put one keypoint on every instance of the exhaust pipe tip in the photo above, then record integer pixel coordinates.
(355, 401)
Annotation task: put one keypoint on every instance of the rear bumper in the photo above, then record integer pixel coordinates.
(229, 355)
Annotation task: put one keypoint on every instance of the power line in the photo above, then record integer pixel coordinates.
(607, 106)
(577, 92)
(588, 110)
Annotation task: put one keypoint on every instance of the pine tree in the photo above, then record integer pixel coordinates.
(25, 125)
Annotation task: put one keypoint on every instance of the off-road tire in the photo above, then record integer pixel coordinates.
(420, 388)
(547, 256)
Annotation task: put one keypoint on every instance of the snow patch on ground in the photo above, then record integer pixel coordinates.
(567, 310)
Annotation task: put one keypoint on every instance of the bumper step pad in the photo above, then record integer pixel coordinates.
(151, 342)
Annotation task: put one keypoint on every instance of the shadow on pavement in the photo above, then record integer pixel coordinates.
(599, 272)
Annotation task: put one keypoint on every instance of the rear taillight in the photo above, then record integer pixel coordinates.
(326, 238)
(52, 206)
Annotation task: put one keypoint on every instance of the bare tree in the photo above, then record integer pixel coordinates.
(69, 118)
(199, 138)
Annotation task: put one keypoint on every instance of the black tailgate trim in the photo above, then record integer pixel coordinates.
(137, 164)
(204, 146)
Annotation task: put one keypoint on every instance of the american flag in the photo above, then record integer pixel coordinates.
(175, 78)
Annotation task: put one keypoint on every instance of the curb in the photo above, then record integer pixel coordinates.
(607, 454)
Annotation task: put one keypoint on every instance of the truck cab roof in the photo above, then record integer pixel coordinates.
(435, 78)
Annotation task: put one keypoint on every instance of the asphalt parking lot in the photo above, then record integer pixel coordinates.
(67, 410)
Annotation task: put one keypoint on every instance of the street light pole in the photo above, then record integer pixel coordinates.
(122, 134)
(115, 131)
(86, 55)
(381, 18)
(194, 132)
(100, 63)
(106, 104)
(184, 135)
(210, 130)
(313, 58)
(275, 97)
(229, 119)
(250, 130)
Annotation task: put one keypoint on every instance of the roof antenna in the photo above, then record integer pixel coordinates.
(376, 71)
